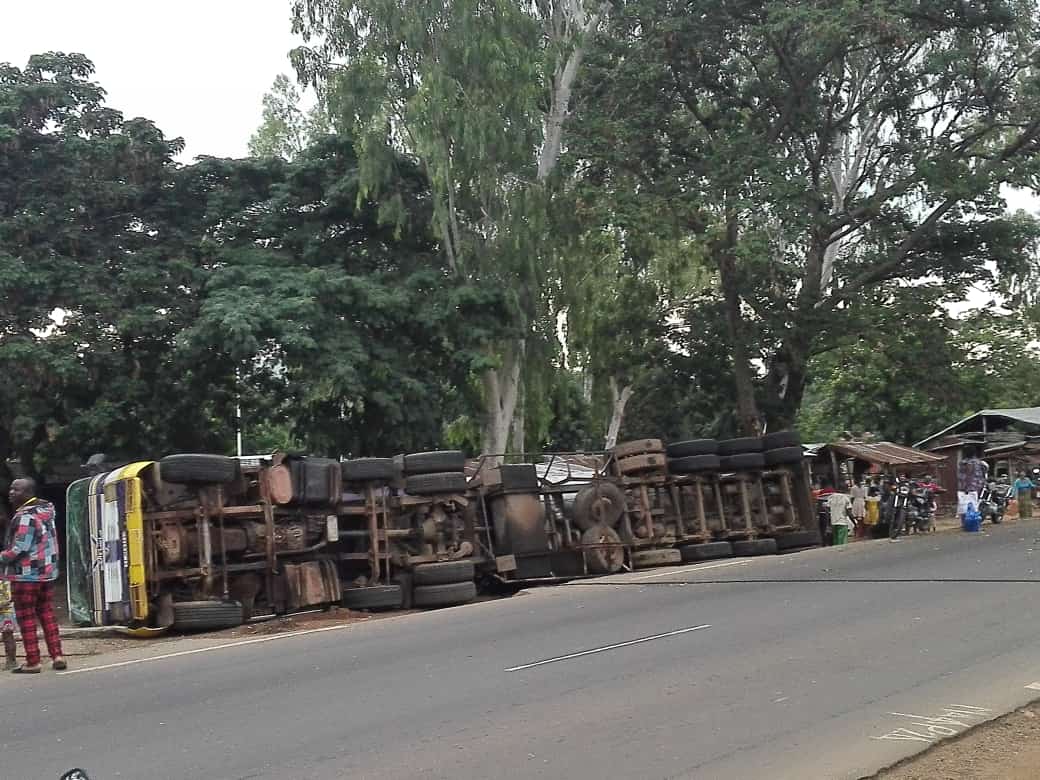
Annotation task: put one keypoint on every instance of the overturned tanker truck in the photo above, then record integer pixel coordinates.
(197, 542)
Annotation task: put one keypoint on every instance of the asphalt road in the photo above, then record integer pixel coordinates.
(645, 676)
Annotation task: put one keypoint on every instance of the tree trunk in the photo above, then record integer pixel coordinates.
(501, 392)
(618, 401)
(744, 380)
(519, 441)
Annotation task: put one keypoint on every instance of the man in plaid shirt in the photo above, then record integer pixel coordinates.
(29, 560)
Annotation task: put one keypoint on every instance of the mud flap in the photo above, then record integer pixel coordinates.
(311, 584)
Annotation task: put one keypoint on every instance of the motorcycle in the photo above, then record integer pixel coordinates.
(993, 501)
(923, 507)
(899, 509)
(912, 509)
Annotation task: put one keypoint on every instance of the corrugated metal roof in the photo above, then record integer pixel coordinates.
(884, 453)
(1027, 416)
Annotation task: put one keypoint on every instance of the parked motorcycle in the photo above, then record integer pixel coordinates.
(993, 501)
(900, 508)
(913, 508)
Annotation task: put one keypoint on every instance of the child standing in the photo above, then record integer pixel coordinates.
(840, 507)
(7, 625)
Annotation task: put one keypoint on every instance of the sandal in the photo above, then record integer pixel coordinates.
(26, 670)
(60, 665)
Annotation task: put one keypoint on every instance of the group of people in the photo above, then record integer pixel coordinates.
(973, 478)
(862, 505)
(866, 502)
(28, 569)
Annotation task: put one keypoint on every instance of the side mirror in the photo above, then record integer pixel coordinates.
(75, 774)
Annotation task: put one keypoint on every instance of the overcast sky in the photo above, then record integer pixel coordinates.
(197, 68)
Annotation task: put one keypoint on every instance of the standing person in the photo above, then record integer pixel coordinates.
(1022, 489)
(858, 493)
(972, 476)
(7, 626)
(30, 561)
(840, 507)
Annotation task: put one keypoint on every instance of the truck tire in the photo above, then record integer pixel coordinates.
(206, 615)
(443, 573)
(693, 447)
(638, 447)
(434, 484)
(692, 464)
(603, 560)
(447, 595)
(795, 540)
(754, 547)
(600, 502)
(781, 439)
(784, 456)
(198, 469)
(437, 462)
(645, 559)
(369, 470)
(706, 552)
(740, 446)
(322, 481)
(748, 461)
(373, 597)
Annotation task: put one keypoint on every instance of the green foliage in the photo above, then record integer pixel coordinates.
(285, 128)
(821, 153)
(142, 300)
(918, 370)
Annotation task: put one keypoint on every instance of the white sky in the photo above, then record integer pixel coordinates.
(197, 68)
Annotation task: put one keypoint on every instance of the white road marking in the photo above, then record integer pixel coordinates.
(685, 569)
(1035, 686)
(197, 650)
(569, 656)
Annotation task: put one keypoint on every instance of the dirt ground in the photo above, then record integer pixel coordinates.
(1005, 749)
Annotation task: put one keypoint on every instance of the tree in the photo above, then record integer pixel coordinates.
(356, 325)
(285, 128)
(822, 153)
(143, 300)
(916, 368)
(479, 93)
(96, 285)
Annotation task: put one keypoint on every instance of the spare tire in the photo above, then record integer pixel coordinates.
(755, 547)
(686, 449)
(603, 560)
(691, 464)
(775, 441)
(373, 597)
(634, 464)
(706, 552)
(443, 572)
(644, 559)
(198, 469)
(434, 484)
(784, 456)
(600, 502)
(447, 595)
(369, 470)
(437, 462)
(750, 461)
(638, 447)
(740, 446)
(206, 615)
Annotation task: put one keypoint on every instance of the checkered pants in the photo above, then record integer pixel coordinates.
(34, 601)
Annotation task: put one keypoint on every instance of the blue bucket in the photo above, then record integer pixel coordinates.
(971, 521)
